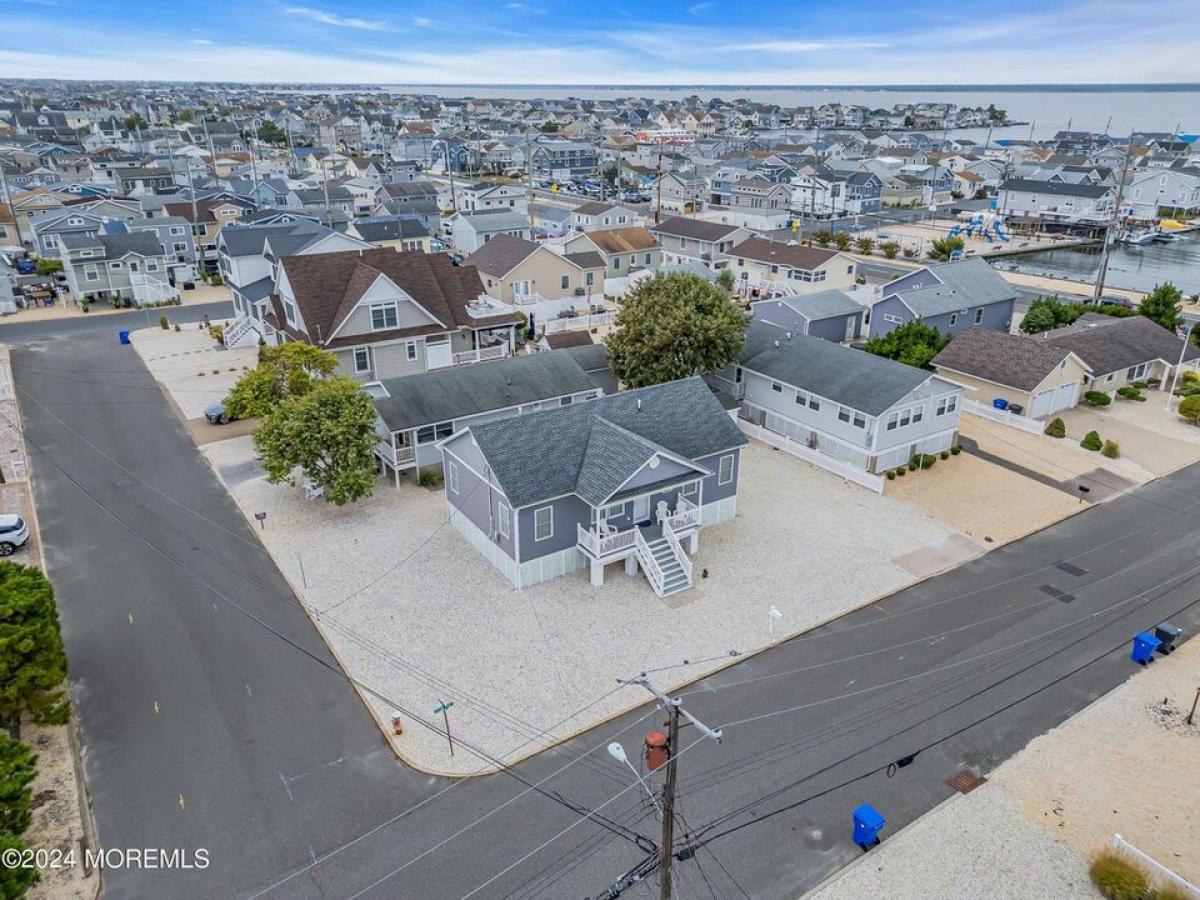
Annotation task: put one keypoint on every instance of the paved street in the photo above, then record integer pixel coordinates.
(212, 715)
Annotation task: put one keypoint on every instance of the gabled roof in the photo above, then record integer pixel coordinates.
(681, 226)
(1012, 360)
(1056, 188)
(795, 256)
(502, 254)
(588, 448)
(863, 381)
(959, 285)
(622, 240)
(461, 391)
(1109, 344)
(485, 220)
(821, 305)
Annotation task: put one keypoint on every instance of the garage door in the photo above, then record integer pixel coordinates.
(1049, 402)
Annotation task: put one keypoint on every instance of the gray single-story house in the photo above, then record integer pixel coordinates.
(831, 315)
(416, 411)
(846, 404)
(1120, 351)
(951, 297)
(630, 477)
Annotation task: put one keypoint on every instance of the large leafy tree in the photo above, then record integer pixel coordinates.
(271, 133)
(1045, 313)
(289, 370)
(17, 768)
(33, 663)
(329, 433)
(1161, 305)
(15, 881)
(674, 326)
(913, 343)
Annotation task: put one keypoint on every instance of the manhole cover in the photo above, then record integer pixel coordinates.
(965, 781)
(1070, 569)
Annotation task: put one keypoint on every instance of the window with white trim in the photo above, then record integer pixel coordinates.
(905, 417)
(362, 360)
(953, 319)
(777, 387)
(114, 265)
(979, 315)
(410, 350)
(1136, 372)
(611, 512)
(947, 404)
(543, 523)
(893, 421)
(860, 421)
(918, 413)
(503, 519)
(452, 476)
(289, 312)
(384, 316)
(565, 282)
(725, 470)
(895, 320)
(431, 433)
(843, 414)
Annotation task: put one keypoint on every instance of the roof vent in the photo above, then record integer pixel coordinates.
(639, 403)
(789, 335)
(776, 343)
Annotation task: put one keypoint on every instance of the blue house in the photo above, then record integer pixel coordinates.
(952, 297)
(630, 477)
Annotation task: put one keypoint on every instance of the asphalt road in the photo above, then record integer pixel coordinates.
(212, 717)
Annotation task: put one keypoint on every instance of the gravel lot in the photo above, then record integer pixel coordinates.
(191, 365)
(411, 610)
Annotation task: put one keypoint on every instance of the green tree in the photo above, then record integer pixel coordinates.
(15, 881)
(17, 768)
(747, 124)
(135, 121)
(612, 173)
(289, 370)
(945, 248)
(913, 343)
(864, 245)
(1189, 409)
(33, 663)
(842, 241)
(1043, 314)
(890, 249)
(270, 133)
(1161, 306)
(822, 237)
(48, 266)
(726, 279)
(329, 433)
(185, 115)
(674, 326)
(548, 127)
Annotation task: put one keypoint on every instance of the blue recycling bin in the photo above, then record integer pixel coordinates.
(868, 822)
(1144, 645)
(124, 336)
(1000, 403)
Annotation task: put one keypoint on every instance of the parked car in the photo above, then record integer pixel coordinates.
(13, 534)
(1111, 300)
(217, 414)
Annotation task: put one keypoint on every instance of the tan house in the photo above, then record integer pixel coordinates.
(385, 313)
(520, 272)
(623, 250)
(765, 265)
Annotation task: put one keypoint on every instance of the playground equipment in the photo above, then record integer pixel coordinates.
(986, 225)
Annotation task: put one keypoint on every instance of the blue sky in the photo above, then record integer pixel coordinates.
(617, 42)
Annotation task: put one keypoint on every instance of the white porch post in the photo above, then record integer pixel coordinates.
(631, 564)
(694, 543)
(597, 573)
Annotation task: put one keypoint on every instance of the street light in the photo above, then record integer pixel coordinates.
(617, 752)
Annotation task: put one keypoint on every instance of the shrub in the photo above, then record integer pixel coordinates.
(704, 573)
(923, 461)
(177, 328)
(945, 454)
(163, 323)
(1189, 408)
(900, 473)
(1111, 449)
(1057, 428)
(956, 449)
(890, 249)
(1091, 441)
(1097, 398)
(891, 476)
(430, 479)
(1155, 382)
(1116, 879)
(1187, 376)
(912, 464)
(1129, 392)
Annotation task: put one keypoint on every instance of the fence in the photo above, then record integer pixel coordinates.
(1003, 416)
(579, 323)
(842, 469)
(1131, 853)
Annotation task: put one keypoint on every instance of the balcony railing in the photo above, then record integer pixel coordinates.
(685, 517)
(602, 545)
(482, 354)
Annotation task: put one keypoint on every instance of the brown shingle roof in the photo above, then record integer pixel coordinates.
(795, 256)
(622, 240)
(1012, 360)
(681, 226)
(502, 254)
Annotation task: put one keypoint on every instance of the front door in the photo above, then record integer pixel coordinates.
(641, 509)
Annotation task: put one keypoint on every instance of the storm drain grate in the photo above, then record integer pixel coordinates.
(1056, 593)
(1070, 569)
(965, 781)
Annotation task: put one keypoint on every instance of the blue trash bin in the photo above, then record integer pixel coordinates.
(124, 335)
(868, 822)
(1144, 645)
(1000, 403)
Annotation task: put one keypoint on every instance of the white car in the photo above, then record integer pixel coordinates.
(13, 534)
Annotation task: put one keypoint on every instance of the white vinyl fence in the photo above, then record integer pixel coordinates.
(1132, 854)
(1003, 416)
(844, 470)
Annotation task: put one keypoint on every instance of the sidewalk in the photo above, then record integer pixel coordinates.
(67, 309)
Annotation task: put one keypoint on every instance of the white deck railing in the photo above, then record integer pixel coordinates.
(650, 566)
(481, 354)
(1003, 416)
(838, 467)
(599, 545)
(677, 549)
(686, 515)
(578, 323)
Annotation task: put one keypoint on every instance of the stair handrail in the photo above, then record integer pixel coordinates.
(677, 549)
(654, 573)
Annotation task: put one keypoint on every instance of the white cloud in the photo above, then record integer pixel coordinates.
(203, 41)
(340, 21)
(422, 22)
(701, 9)
(525, 9)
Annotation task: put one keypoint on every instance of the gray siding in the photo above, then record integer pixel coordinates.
(996, 316)
(834, 329)
(711, 491)
(569, 511)
(666, 469)
(480, 501)
(830, 329)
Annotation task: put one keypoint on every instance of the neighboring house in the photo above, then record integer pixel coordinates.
(549, 221)
(764, 266)
(828, 314)
(1120, 351)
(951, 297)
(417, 411)
(563, 340)
(520, 272)
(207, 218)
(398, 232)
(630, 477)
(623, 250)
(471, 231)
(1032, 377)
(131, 266)
(385, 313)
(852, 406)
(564, 159)
(472, 198)
(678, 192)
(594, 215)
(1058, 202)
(761, 195)
(686, 240)
(248, 258)
(331, 197)
(175, 235)
(1163, 192)
(828, 192)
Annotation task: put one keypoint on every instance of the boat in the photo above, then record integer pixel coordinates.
(1137, 240)
(1162, 237)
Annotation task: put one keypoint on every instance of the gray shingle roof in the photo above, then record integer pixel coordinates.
(963, 284)
(682, 417)
(1056, 188)
(1012, 360)
(854, 378)
(495, 220)
(1108, 344)
(456, 393)
(821, 305)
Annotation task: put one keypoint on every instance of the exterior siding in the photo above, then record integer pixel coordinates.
(710, 490)
(479, 502)
(834, 329)
(569, 511)
(996, 316)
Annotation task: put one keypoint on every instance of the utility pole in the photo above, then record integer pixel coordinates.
(658, 184)
(674, 707)
(253, 162)
(450, 172)
(1110, 236)
(11, 208)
